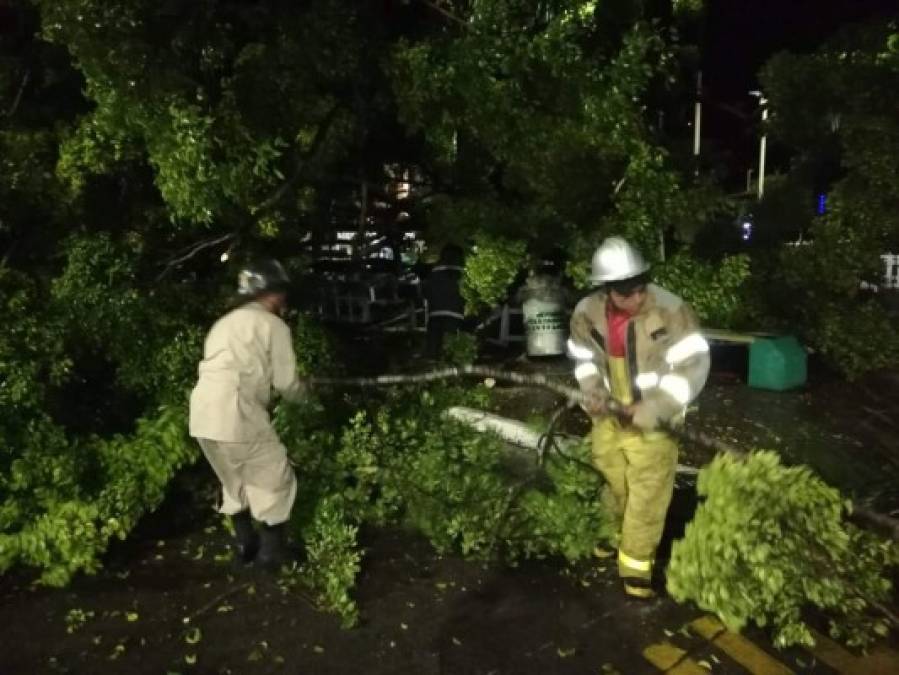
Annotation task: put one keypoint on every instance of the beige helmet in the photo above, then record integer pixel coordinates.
(616, 260)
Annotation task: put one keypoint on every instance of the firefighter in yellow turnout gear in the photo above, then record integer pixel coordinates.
(639, 344)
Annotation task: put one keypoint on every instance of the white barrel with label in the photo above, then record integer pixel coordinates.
(545, 318)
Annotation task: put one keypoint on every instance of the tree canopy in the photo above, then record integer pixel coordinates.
(141, 140)
(836, 108)
(262, 119)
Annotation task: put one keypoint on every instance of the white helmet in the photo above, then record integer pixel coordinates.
(262, 276)
(616, 260)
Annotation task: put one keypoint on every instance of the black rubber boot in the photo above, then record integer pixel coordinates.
(273, 553)
(246, 536)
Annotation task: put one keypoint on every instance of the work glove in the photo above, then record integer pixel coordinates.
(644, 416)
(595, 404)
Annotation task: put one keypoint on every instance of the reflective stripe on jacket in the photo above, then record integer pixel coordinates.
(442, 290)
(667, 356)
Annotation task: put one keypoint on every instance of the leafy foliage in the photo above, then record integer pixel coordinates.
(785, 214)
(68, 525)
(66, 494)
(152, 337)
(32, 352)
(844, 118)
(460, 348)
(716, 293)
(235, 99)
(404, 464)
(35, 459)
(844, 336)
(313, 346)
(490, 270)
(332, 559)
(769, 541)
(147, 123)
(533, 121)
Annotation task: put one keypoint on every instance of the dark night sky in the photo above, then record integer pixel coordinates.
(741, 35)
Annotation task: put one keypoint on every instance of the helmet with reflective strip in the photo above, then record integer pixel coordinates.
(262, 276)
(616, 260)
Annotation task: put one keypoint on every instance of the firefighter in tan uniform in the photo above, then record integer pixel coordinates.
(248, 355)
(640, 345)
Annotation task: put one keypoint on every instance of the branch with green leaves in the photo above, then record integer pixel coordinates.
(529, 380)
(879, 521)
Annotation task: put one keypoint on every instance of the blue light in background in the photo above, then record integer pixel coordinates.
(822, 204)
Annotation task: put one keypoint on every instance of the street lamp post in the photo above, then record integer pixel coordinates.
(763, 102)
(697, 123)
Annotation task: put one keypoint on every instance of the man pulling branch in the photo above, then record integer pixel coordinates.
(638, 344)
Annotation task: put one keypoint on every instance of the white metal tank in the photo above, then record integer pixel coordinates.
(545, 318)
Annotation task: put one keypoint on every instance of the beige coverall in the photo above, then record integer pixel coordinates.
(248, 354)
(664, 369)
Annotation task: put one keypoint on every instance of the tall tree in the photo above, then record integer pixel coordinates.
(840, 104)
(535, 119)
(238, 114)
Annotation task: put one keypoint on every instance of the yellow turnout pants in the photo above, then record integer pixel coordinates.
(639, 470)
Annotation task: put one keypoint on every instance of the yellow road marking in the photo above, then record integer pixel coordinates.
(755, 660)
(673, 660)
(879, 661)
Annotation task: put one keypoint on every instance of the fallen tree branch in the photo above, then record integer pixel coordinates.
(879, 521)
(179, 258)
(454, 372)
(320, 134)
(882, 416)
(446, 13)
(18, 98)
(886, 611)
(215, 601)
(541, 381)
(888, 524)
(519, 434)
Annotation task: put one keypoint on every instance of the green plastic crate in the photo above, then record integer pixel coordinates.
(777, 364)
